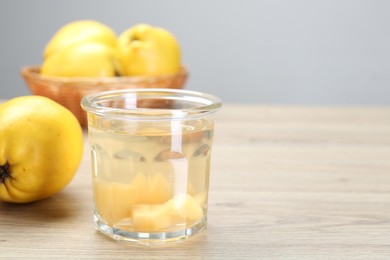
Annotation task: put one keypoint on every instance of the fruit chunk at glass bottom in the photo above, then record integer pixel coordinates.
(201, 198)
(148, 201)
(150, 217)
(185, 208)
(113, 201)
(182, 209)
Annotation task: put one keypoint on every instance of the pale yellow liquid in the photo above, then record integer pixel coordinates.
(152, 178)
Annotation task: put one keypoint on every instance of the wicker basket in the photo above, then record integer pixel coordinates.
(69, 91)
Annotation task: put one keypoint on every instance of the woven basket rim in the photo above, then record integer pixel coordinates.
(32, 73)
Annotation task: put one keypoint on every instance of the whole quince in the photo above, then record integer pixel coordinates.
(148, 50)
(82, 49)
(85, 59)
(80, 31)
(41, 146)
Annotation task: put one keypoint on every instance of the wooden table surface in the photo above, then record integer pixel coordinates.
(286, 183)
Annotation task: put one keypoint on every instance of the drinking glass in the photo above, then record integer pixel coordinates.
(150, 152)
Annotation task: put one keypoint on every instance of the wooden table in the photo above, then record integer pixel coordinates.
(286, 183)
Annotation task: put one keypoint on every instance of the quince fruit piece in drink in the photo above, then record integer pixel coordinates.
(142, 191)
(151, 217)
(201, 198)
(41, 146)
(86, 59)
(160, 188)
(80, 31)
(178, 210)
(184, 208)
(152, 190)
(148, 50)
(114, 201)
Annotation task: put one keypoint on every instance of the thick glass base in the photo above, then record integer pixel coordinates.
(149, 238)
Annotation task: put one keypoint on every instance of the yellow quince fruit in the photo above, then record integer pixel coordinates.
(80, 31)
(41, 146)
(85, 59)
(148, 50)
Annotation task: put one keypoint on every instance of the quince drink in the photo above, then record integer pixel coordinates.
(152, 178)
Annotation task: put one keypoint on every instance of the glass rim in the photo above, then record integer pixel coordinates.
(206, 103)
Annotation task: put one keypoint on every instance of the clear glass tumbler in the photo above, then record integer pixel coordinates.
(151, 153)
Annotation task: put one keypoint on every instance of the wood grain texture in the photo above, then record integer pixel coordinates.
(286, 183)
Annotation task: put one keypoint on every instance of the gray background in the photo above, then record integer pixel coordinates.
(334, 52)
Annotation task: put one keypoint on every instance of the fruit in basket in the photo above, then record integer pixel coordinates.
(85, 59)
(88, 48)
(148, 50)
(40, 150)
(80, 31)
(82, 48)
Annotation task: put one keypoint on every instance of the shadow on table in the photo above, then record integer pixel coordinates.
(61, 206)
